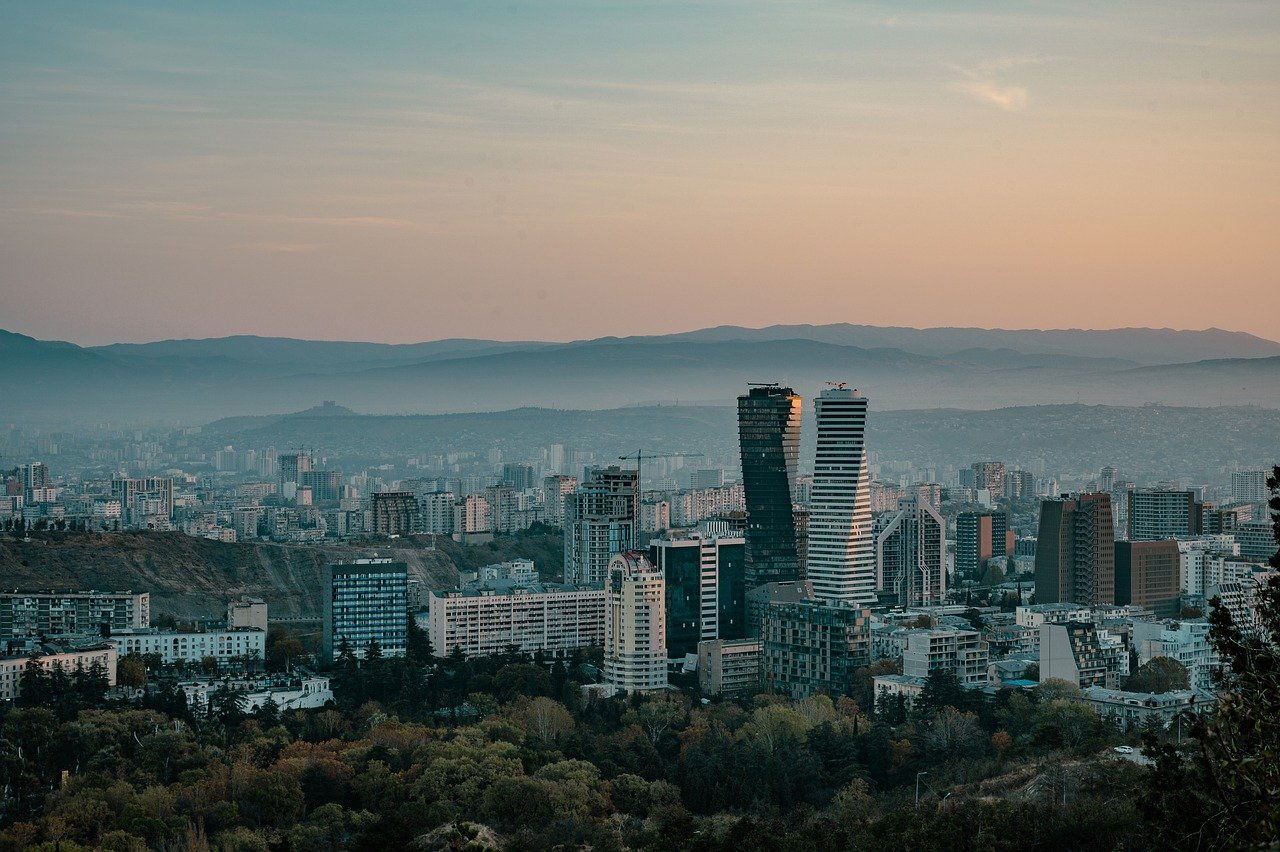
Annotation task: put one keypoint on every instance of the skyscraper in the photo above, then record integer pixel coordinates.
(705, 592)
(1249, 486)
(910, 544)
(395, 513)
(841, 559)
(599, 522)
(1075, 551)
(635, 644)
(989, 475)
(769, 439)
(1147, 574)
(365, 600)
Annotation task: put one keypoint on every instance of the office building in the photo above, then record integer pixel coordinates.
(600, 522)
(635, 644)
(395, 513)
(1249, 486)
(729, 666)
(980, 537)
(491, 615)
(1075, 551)
(1157, 514)
(841, 560)
(1148, 575)
(961, 652)
(813, 646)
(769, 442)
(910, 545)
(362, 601)
(705, 588)
(1081, 653)
(54, 613)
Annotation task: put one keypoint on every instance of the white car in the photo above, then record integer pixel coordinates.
(1123, 749)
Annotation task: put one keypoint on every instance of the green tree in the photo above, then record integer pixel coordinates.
(1159, 675)
(1225, 794)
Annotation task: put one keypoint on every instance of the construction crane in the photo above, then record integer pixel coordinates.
(640, 457)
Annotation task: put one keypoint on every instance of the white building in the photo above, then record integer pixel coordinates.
(288, 693)
(635, 641)
(1249, 486)
(223, 645)
(1185, 641)
(489, 616)
(959, 651)
(841, 554)
(437, 512)
(1133, 710)
(1192, 556)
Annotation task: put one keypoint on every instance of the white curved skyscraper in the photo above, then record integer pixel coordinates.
(842, 555)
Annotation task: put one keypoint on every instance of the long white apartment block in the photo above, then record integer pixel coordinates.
(489, 616)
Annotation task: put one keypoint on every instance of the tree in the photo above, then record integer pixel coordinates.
(1159, 675)
(1226, 793)
(546, 719)
(131, 671)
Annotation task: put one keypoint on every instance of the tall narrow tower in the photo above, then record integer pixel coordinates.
(769, 437)
(842, 558)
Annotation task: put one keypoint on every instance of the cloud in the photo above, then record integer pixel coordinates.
(983, 83)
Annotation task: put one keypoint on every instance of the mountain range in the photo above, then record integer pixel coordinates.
(194, 381)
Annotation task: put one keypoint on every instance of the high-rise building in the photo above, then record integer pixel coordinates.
(518, 476)
(156, 493)
(1075, 551)
(489, 616)
(705, 589)
(1249, 486)
(635, 643)
(325, 485)
(32, 477)
(841, 562)
(395, 513)
(436, 512)
(1156, 514)
(54, 613)
(600, 522)
(1147, 575)
(989, 475)
(769, 441)
(1020, 485)
(555, 488)
(292, 466)
(362, 601)
(1107, 481)
(910, 544)
(961, 652)
(980, 536)
(1256, 539)
(707, 478)
(1081, 653)
(813, 646)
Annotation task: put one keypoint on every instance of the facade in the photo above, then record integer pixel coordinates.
(555, 488)
(1256, 540)
(979, 536)
(147, 497)
(490, 616)
(769, 442)
(436, 512)
(1080, 653)
(30, 614)
(705, 589)
(635, 644)
(395, 513)
(292, 466)
(889, 687)
(1185, 641)
(841, 559)
(600, 522)
(68, 659)
(1075, 551)
(729, 666)
(1147, 575)
(814, 646)
(288, 693)
(989, 475)
(325, 485)
(247, 612)
(225, 646)
(364, 600)
(1156, 514)
(471, 516)
(910, 550)
(961, 652)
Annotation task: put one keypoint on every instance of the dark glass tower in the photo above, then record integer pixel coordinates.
(769, 436)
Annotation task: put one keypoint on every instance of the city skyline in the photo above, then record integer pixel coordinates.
(561, 172)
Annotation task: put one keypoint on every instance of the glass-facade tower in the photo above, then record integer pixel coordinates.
(769, 438)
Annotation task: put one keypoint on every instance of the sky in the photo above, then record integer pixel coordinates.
(564, 170)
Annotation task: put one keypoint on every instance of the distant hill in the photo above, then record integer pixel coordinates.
(186, 382)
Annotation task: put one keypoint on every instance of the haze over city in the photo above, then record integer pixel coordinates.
(404, 172)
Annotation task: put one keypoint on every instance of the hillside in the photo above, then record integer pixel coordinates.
(191, 577)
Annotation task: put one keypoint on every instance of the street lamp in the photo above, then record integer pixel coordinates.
(918, 774)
